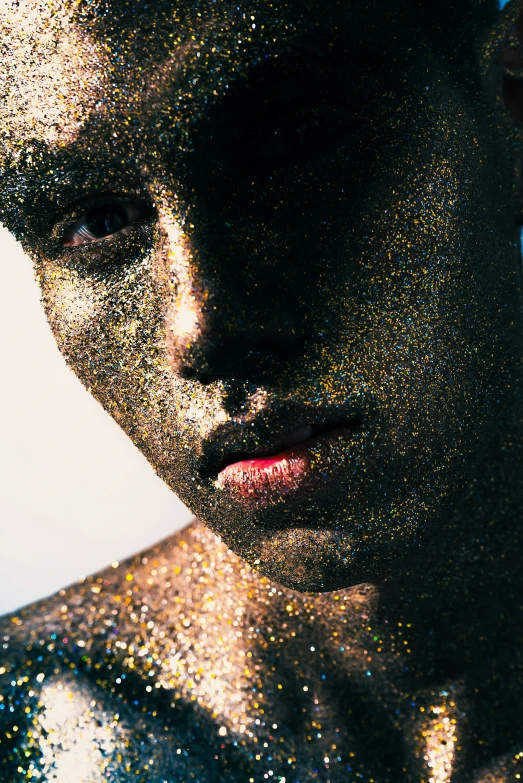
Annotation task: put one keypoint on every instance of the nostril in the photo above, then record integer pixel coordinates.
(280, 346)
(238, 357)
(194, 374)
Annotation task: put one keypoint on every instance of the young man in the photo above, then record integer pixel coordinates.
(279, 243)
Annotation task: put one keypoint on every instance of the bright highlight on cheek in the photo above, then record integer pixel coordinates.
(72, 305)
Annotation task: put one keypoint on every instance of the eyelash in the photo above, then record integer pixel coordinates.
(126, 211)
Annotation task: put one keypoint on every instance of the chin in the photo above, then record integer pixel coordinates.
(362, 528)
(316, 560)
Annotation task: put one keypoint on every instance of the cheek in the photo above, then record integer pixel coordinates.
(422, 329)
(72, 306)
(109, 331)
(114, 335)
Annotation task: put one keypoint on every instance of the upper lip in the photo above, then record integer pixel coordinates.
(240, 438)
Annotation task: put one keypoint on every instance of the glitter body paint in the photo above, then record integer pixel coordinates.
(278, 242)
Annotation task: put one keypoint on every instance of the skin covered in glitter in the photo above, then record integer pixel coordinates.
(300, 252)
(320, 223)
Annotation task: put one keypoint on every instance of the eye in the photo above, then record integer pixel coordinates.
(104, 219)
(295, 133)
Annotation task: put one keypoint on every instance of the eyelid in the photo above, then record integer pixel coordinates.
(72, 215)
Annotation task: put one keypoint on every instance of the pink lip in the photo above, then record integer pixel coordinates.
(263, 480)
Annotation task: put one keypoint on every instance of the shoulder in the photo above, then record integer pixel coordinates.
(29, 660)
(83, 605)
(85, 612)
(80, 673)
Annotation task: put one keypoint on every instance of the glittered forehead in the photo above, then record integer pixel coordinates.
(60, 59)
(50, 75)
(64, 61)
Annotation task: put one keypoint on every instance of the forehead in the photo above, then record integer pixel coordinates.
(45, 65)
(63, 62)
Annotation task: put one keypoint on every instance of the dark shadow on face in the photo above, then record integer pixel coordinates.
(315, 230)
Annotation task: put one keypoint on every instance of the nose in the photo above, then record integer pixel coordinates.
(228, 321)
(253, 353)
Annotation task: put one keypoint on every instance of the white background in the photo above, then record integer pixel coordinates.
(75, 494)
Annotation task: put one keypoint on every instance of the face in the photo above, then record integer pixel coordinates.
(277, 244)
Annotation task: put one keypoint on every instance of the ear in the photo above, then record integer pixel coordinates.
(512, 59)
(501, 61)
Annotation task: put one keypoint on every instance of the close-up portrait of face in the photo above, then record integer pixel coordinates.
(279, 242)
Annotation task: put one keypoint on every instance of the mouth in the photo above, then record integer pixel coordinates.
(303, 459)
(300, 436)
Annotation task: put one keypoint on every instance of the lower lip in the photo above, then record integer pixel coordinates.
(266, 480)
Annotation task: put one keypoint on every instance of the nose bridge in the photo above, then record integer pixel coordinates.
(214, 329)
(184, 315)
(194, 295)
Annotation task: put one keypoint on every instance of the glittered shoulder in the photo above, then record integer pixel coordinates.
(88, 681)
